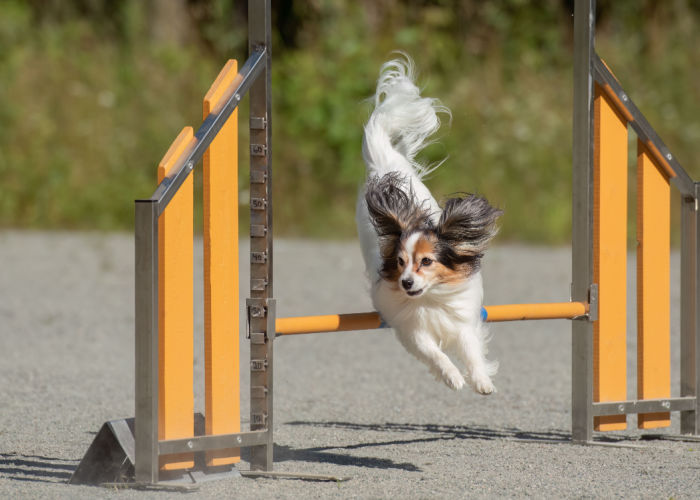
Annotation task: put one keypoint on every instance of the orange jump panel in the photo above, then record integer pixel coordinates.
(175, 309)
(221, 342)
(610, 259)
(653, 285)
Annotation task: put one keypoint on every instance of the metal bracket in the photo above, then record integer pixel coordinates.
(261, 308)
(258, 257)
(258, 150)
(271, 318)
(258, 419)
(258, 177)
(258, 391)
(592, 314)
(258, 122)
(258, 204)
(257, 338)
(593, 302)
(258, 231)
(255, 308)
(258, 284)
(258, 365)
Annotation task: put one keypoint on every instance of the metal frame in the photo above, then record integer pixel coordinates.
(255, 75)
(590, 69)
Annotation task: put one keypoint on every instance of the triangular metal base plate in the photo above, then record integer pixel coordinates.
(109, 461)
(110, 457)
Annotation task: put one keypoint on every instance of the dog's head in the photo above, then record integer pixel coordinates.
(418, 253)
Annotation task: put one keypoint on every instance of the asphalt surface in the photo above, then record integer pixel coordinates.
(346, 404)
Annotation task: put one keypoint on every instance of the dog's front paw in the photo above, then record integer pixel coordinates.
(453, 379)
(483, 384)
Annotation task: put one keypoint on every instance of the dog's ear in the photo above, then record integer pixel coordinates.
(467, 225)
(393, 208)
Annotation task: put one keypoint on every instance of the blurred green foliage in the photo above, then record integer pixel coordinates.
(93, 92)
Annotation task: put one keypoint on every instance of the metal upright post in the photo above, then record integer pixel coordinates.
(688, 310)
(146, 341)
(260, 307)
(696, 312)
(582, 223)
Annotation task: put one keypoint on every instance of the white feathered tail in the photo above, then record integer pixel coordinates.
(397, 130)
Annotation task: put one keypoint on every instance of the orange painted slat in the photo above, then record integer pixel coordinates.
(619, 106)
(653, 285)
(610, 259)
(221, 347)
(175, 309)
(660, 160)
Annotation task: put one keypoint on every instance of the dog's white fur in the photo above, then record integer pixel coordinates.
(445, 317)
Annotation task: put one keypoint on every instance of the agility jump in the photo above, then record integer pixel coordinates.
(167, 440)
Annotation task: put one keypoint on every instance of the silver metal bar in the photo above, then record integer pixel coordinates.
(269, 395)
(689, 291)
(696, 312)
(261, 249)
(211, 125)
(146, 341)
(582, 223)
(642, 127)
(643, 406)
(212, 442)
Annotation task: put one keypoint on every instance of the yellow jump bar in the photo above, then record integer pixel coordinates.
(371, 320)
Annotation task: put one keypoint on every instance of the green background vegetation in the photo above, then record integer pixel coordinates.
(93, 92)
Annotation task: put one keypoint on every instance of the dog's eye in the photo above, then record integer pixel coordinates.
(401, 262)
(426, 261)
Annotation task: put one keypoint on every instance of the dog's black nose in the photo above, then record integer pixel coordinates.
(407, 283)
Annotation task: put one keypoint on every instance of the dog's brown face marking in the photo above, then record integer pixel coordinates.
(424, 251)
(418, 258)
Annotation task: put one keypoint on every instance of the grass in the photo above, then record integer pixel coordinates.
(85, 118)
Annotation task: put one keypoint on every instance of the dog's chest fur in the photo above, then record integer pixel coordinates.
(442, 312)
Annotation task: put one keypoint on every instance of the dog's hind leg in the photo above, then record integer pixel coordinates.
(470, 349)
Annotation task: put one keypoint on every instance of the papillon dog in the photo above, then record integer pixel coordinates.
(423, 261)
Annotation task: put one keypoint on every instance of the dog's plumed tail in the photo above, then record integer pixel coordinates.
(401, 123)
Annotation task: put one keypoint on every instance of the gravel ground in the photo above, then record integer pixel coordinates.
(347, 404)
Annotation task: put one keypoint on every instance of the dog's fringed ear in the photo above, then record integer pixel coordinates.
(392, 206)
(468, 224)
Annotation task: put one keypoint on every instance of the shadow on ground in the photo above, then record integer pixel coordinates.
(421, 433)
(444, 432)
(36, 468)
